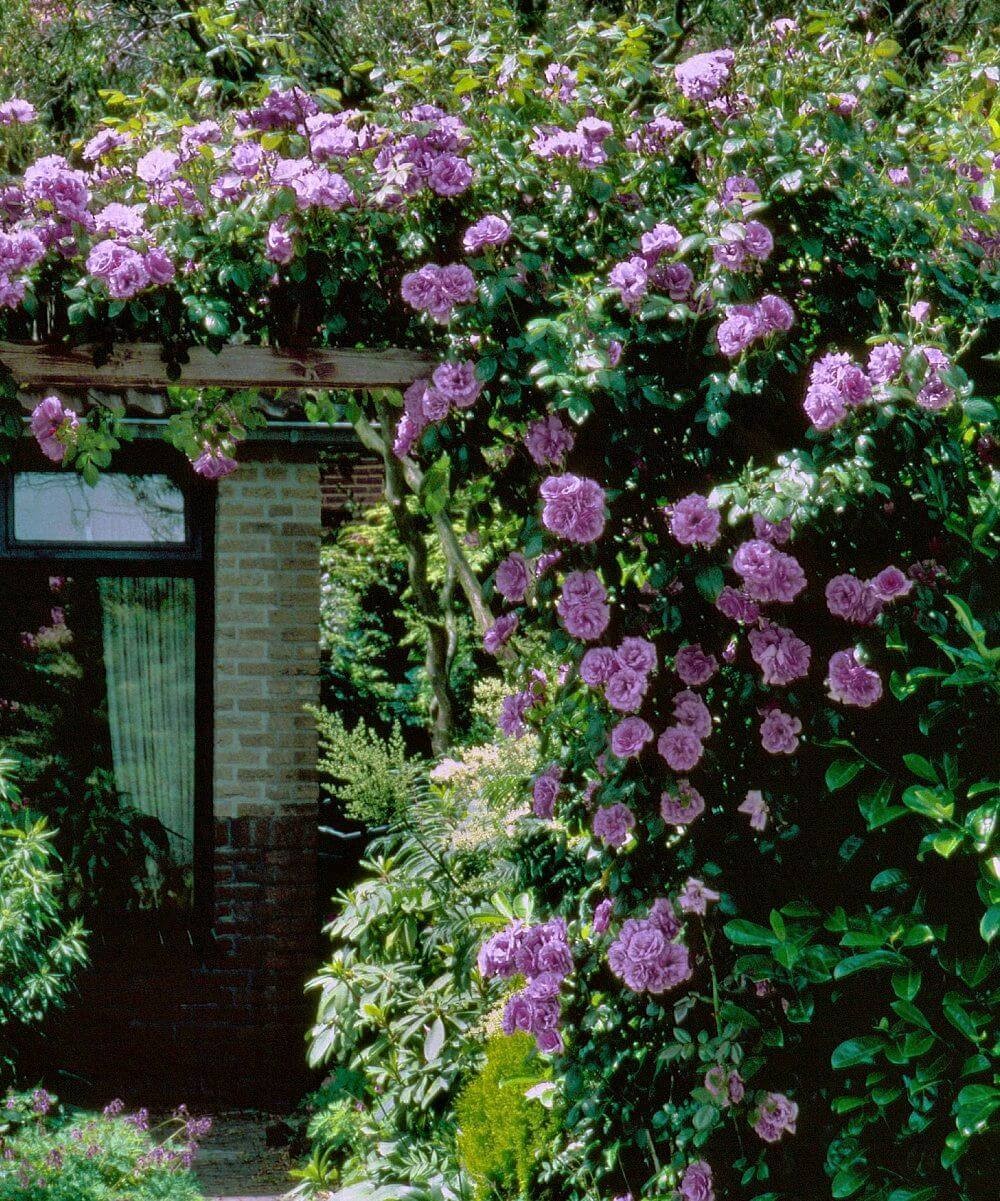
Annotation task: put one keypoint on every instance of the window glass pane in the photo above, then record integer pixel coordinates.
(119, 509)
(97, 702)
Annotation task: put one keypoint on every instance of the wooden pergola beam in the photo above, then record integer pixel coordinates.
(140, 365)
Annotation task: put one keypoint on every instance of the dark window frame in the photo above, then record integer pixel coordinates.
(192, 559)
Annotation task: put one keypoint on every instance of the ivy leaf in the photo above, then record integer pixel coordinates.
(748, 934)
(856, 1050)
(841, 772)
(990, 924)
(867, 962)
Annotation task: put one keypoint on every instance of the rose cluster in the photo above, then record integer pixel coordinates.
(542, 955)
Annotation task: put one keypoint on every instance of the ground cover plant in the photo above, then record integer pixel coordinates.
(716, 380)
(67, 1155)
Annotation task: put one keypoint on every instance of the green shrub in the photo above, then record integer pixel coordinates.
(502, 1130)
(67, 1155)
(370, 777)
(38, 949)
(401, 1005)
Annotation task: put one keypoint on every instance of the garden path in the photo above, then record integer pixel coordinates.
(237, 1162)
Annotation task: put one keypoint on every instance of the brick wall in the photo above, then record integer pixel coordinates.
(265, 787)
(350, 481)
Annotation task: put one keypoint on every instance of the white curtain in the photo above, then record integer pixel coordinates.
(149, 651)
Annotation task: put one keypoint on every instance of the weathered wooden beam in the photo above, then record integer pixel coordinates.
(140, 365)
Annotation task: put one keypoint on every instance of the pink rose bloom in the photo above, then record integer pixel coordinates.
(434, 405)
(781, 656)
(696, 1183)
(53, 427)
(583, 606)
(779, 732)
(692, 522)
(691, 711)
(853, 600)
(637, 653)
(775, 1116)
(696, 897)
(548, 441)
(612, 824)
(737, 606)
(694, 666)
(629, 736)
(574, 507)
(681, 748)
(457, 382)
(850, 682)
(755, 807)
(625, 689)
(513, 578)
(597, 665)
(890, 584)
(681, 806)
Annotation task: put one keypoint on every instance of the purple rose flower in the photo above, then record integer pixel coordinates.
(624, 688)
(681, 806)
(612, 824)
(691, 711)
(487, 231)
(775, 1116)
(548, 441)
(54, 427)
(629, 736)
(597, 665)
(513, 577)
(853, 599)
(602, 916)
(500, 633)
(694, 666)
(583, 606)
(890, 584)
(781, 656)
(696, 1183)
(737, 606)
(545, 792)
(213, 464)
(696, 897)
(458, 383)
(692, 522)
(573, 508)
(755, 807)
(779, 732)
(703, 76)
(850, 682)
(681, 748)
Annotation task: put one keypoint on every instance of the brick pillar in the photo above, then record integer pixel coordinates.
(265, 787)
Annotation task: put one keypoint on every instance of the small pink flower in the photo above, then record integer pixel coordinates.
(779, 732)
(755, 807)
(681, 748)
(694, 666)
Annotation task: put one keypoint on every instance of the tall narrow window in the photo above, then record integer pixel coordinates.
(105, 669)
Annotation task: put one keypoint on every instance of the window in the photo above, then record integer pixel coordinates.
(105, 660)
(119, 510)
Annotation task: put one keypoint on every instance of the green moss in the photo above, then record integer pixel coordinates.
(502, 1132)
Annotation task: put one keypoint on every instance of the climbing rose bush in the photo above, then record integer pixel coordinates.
(719, 332)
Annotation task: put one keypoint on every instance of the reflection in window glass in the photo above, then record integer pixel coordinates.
(119, 509)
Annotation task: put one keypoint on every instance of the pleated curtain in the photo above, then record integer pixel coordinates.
(149, 653)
